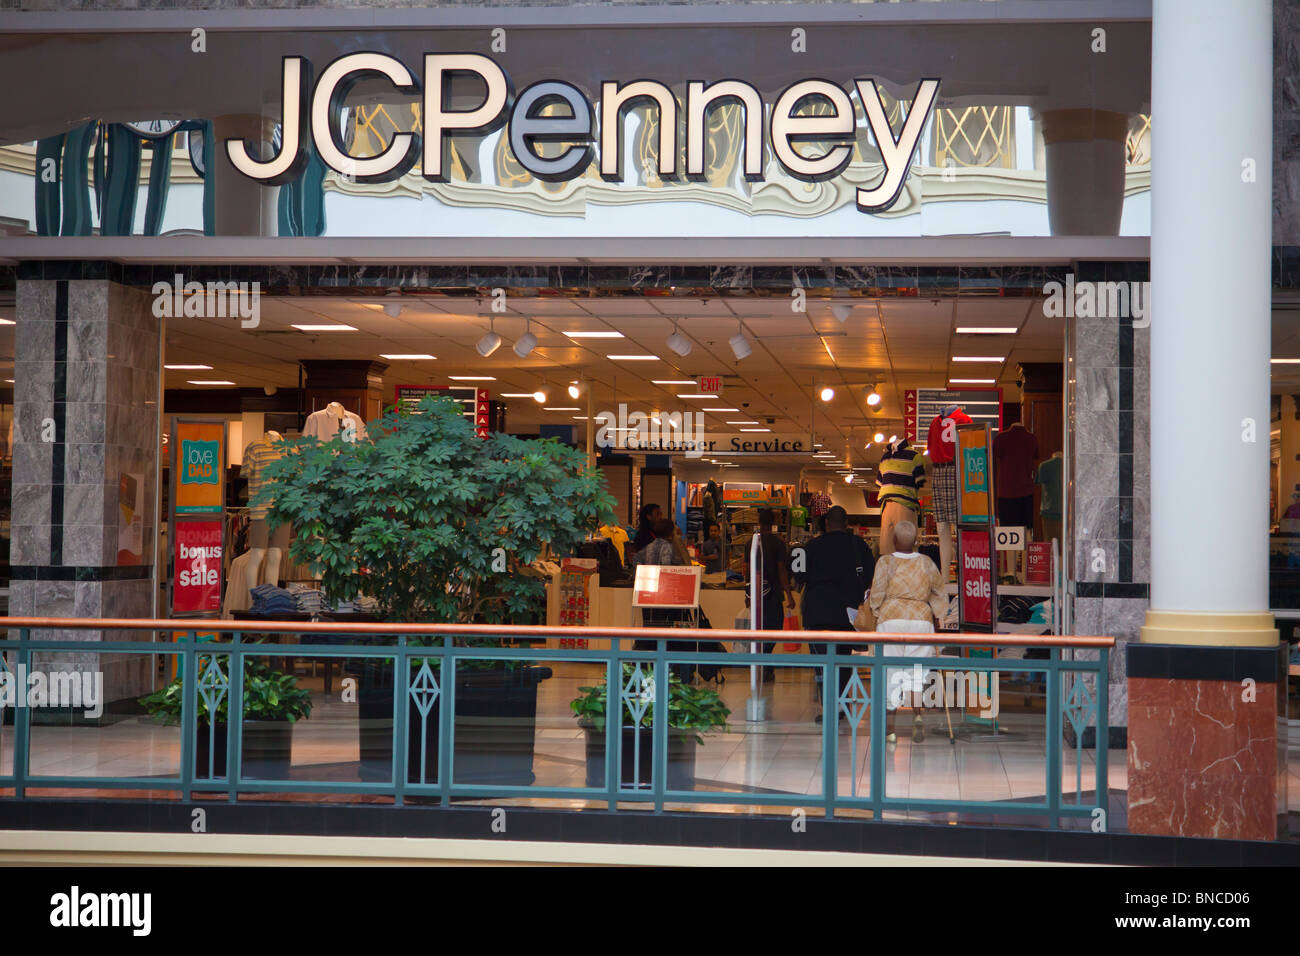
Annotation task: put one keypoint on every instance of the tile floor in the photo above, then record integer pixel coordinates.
(781, 755)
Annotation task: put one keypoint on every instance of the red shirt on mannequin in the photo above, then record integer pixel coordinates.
(942, 452)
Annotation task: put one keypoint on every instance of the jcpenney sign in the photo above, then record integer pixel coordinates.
(314, 110)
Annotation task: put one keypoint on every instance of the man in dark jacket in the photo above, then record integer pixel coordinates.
(838, 568)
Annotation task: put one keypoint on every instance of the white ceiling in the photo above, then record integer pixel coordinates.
(895, 344)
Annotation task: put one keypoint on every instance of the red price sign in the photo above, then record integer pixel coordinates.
(666, 586)
(975, 578)
(196, 555)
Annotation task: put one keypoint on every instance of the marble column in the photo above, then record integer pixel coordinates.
(1110, 488)
(85, 442)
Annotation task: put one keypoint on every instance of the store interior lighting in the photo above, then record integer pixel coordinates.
(527, 341)
(490, 342)
(842, 311)
(740, 346)
(873, 397)
(393, 305)
(827, 393)
(679, 343)
(878, 437)
(575, 389)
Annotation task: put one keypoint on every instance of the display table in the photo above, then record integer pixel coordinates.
(612, 607)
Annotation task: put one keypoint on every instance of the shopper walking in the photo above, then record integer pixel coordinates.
(838, 568)
(907, 597)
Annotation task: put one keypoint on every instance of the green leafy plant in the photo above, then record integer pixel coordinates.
(433, 522)
(268, 695)
(689, 707)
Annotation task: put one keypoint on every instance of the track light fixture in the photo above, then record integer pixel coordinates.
(527, 342)
(841, 311)
(827, 393)
(740, 346)
(393, 304)
(679, 343)
(490, 342)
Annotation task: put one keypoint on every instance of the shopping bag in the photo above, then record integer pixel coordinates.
(865, 619)
(791, 624)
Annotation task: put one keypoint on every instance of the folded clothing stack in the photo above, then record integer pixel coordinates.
(269, 599)
(308, 599)
(360, 605)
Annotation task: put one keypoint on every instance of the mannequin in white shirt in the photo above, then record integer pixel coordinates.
(264, 562)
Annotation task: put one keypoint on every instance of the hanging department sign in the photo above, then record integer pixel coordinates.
(553, 111)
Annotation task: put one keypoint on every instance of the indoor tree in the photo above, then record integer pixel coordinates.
(433, 522)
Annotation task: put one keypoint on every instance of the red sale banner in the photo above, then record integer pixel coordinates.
(975, 577)
(196, 556)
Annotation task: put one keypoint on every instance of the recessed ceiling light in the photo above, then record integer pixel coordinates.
(756, 429)
(714, 408)
(516, 394)
(633, 358)
(6, 321)
(742, 423)
(189, 368)
(827, 393)
(410, 357)
(979, 358)
(325, 328)
(594, 335)
(472, 378)
(550, 408)
(11, 381)
(699, 398)
(1285, 361)
(672, 381)
(991, 330)
(971, 381)
(878, 437)
(212, 382)
(579, 418)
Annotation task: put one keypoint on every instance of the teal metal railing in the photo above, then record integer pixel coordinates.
(411, 661)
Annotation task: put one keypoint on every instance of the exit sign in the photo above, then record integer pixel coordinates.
(711, 385)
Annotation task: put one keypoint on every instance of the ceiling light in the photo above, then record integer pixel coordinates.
(516, 394)
(551, 408)
(848, 479)
(6, 321)
(633, 358)
(672, 381)
(878, 437)
(715, 408)
(697, 397)
(393, 307)
(539, 396)
(841, 311)
(325, 328)
(873, 397)
(189, 368)
(893, 438)
(971, 381)
(575, 389)
(742, 423)
(194, 381)
(756, 429)
(490, 342)
(472, 378)
(827, 393)
(980, 358)
(526, 343)
(1281, 361)
(594, 335)
(412, 357)
(679, 343)
(740, 346)
(992, 330)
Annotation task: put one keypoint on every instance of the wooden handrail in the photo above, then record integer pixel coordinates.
(537, 631)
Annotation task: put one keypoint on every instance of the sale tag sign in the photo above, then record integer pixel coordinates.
(199, 468)
(975, 579)
(666, 586)
(1039, 567)
(196, 564)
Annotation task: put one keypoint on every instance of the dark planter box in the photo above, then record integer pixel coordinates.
(495, 733)
(266, 754)
(636, 767)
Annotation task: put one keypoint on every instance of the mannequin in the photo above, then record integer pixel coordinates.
(941, 444)
(899, 478)
(333, 419)
(257, 456)
(1049, 503)
(1015, 455)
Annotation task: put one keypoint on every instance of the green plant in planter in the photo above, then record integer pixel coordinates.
(689, 707)
(268, 695)
(433, 522)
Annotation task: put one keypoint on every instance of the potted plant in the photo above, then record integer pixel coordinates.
(273, 703)
(692, 711)
(439, 525)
